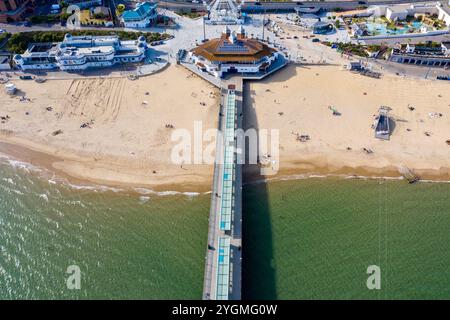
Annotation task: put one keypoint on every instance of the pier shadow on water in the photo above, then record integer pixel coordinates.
(258, 272)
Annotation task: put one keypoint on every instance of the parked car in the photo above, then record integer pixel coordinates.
(316, 40)
(2, 31)
(26, 78)
(157, 43)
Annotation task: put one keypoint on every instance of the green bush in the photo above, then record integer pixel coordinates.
(51, 18)
(355, 49)
(18, 43)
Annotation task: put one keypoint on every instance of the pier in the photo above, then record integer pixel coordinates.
(227, 62)
(222, 280)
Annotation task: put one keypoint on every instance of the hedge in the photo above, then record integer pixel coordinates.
(18, 43)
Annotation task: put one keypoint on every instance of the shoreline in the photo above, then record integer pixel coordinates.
(293, 176)
(45, 161)
(112, 132)
(49, 163)
(388, 172)
(128, 141)
(289, 103)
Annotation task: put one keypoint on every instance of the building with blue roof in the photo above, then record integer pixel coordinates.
(143, 16)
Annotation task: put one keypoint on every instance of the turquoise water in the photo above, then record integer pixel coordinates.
(375, 28)
(126, 245)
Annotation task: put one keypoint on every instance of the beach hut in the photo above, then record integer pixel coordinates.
(10, 88)
(382, 129)
(5, 63)
(355, 66)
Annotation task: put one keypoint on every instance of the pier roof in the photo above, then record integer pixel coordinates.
(233, 48)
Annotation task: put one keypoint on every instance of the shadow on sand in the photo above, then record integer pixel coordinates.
(258, 273)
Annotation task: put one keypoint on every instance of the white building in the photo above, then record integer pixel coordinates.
(224, 12)
(358, 30)
(233, 53)
(401, 11)
(423, 54)
(396, 13)
(444, 14)
(446, 48)
(143, 16)
(4, 63)
(81, 53)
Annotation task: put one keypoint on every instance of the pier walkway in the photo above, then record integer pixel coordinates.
(222, 279)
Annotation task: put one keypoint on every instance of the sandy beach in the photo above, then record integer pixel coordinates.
(125, 141)
(297, 99)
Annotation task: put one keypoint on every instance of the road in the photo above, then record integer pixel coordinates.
(284, 6)
(278, 6)
(248, 6)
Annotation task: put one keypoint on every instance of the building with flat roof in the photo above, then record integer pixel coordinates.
(143, 16)
(4, 63)
(14, 10)
(323, 27)
(233, 53)
(77, 53)
(423, 54)
(402, 11)
(397, 13)
(358, 30)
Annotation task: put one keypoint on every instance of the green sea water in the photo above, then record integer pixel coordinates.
(127, 245)
(315, 238)
(303, 239)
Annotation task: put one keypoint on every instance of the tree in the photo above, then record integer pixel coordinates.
(18, 42)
